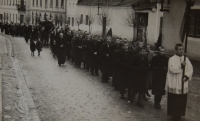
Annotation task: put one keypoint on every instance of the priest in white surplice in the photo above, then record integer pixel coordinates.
(176, 101)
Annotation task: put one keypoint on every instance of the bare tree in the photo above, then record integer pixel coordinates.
(91, 20)
(105, 13)
(131, 20)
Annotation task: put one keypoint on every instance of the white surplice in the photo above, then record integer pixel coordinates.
(174, 75)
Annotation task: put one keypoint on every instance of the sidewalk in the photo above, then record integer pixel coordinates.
(17, 101)
(3, 50)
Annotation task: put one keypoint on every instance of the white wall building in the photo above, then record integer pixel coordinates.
(8, 11)
(35, 10)
(117, 15)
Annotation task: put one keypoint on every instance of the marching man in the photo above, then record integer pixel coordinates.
(176, 103)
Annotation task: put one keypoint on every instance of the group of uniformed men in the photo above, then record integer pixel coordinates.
(129, 64)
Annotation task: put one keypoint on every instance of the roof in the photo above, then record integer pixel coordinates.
(107, 2)
(145, 4)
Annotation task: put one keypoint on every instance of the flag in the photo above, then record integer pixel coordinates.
(184, 25)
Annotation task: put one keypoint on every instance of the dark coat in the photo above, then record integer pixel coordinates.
(32, 46)
(34, 35)
(159, 66)
(94, 58)
(84, 50)
(68, 44)
(123, 64)
(141, 68)
(78, 51)
(39, 45)
(60, 45)
(73, 47)
(106, 61)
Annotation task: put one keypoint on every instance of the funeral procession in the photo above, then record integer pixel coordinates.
(100, 60)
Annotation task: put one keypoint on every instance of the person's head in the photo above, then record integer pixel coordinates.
(125, 46)
(77, 34)
(117, 41)
(141, 44)
(80, 36)
(148, 47)
(143, 51)
(108, 39)
(179, 49)
(161, 51)
(61, 35)
(134, 47)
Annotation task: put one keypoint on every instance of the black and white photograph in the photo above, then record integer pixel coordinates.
(99, 60)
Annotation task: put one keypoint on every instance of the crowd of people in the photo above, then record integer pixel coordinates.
(134, 67)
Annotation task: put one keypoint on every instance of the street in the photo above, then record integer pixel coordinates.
(68, 93)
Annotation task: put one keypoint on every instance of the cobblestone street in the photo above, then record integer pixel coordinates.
(68, 93)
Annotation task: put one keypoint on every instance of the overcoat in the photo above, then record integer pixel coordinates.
(78, 49)
(141, 67)
(39, 45)
(32, 46)
(60, 45)
(94, 58)
(106, 61)
(85, 49)
(123, 64)
(159, 66)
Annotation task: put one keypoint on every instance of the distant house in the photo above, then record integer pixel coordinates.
(149, 21)
(172, 25)
(89, 19)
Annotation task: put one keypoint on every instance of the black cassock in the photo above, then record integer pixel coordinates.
(61, 50)
(159, 66)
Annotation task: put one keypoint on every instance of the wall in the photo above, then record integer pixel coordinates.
(118, 23)
(153, 27)
(11, 9)
(171, 28)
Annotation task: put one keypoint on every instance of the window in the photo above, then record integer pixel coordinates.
(69, 20)
(10, 2)
(36, 2)
(40, 3)
(51, 3)
(33, 2)
(81, 19)
(194, 29)
(72, 21)
(13, 2)
(86, 20)
(62, 3)
(46, 3)
(56, 3)
(16, 18)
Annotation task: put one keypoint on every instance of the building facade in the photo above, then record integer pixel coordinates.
(172, 24)
(9, 12)
(35, 10)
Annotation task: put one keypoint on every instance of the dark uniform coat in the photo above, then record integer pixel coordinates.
(84, 50)
(32, 46)
(141, 67)
(106, 61)
(159, 66)
(60, 45)
(94, 58)
(78, 50)
(123, 64)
